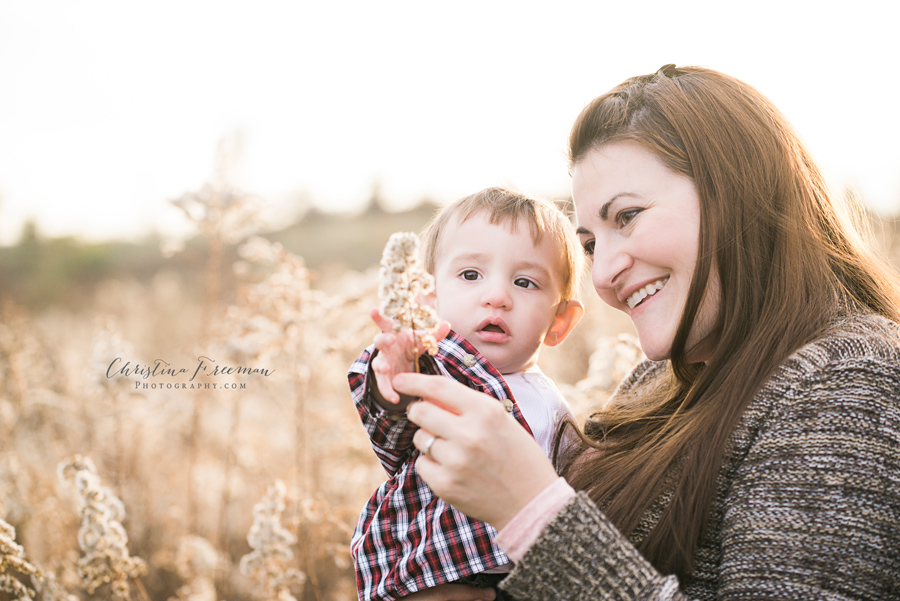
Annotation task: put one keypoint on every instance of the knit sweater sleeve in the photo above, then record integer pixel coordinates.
(811, 511)
(581, 555)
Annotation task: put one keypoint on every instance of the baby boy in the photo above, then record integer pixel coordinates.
(506, 273)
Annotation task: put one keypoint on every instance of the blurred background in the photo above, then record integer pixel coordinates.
(217, 179)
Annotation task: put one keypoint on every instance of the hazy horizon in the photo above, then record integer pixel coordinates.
(114, 109)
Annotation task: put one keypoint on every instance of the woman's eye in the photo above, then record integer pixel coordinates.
(623, 218)
(524, 283)
(588, 248)
(470, 274)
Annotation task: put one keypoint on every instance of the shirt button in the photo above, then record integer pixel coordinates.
(543, 384)
(508, 405)
(469, 360)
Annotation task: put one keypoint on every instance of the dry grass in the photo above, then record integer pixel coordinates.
(189, 478)
(194, 470)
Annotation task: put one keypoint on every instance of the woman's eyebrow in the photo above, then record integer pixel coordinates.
(604, 210)
(604, 215)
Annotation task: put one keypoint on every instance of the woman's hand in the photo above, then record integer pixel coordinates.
(397, 353)
(453, 592)
(481, 460)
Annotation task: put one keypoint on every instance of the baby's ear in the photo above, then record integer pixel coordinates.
(567, 317)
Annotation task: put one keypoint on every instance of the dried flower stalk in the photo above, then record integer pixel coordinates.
(271, 544)
(12, 560)
(404, 285)
(196, 561)
(102, 538)
(49, 589)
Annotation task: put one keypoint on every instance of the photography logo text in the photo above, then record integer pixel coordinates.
(162, 375)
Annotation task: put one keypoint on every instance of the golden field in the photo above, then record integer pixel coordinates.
(206, 396)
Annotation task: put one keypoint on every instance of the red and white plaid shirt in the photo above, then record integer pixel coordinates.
(408, 539)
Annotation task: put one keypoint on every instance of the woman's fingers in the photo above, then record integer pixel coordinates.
(445, 392)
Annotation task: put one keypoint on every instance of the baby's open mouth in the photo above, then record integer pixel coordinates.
(639, 295)
(491, 327)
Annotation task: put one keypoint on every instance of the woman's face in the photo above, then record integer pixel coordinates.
(639, 222)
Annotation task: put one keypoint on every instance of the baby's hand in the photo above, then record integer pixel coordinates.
(397, 353)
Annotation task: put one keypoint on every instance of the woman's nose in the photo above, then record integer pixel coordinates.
(608, 268)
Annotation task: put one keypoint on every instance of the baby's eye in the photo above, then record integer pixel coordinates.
(524, 283)
(625, 217)
(470, 274)
(588, 248)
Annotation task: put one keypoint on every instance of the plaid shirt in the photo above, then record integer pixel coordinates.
(407, 538)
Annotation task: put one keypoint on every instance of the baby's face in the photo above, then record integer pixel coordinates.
(498, 290)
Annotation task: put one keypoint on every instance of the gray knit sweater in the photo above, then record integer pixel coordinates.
(808, 503)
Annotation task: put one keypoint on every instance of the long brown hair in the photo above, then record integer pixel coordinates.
(789, 258)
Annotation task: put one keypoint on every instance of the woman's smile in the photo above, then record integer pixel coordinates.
(637, 297)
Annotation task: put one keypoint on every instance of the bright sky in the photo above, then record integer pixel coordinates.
(110, 108)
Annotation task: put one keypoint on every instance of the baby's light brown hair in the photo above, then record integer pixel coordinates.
(508, 208)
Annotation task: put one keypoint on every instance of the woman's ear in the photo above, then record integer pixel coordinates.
(567, 317)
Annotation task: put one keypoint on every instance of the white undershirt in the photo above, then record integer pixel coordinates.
(541, 403)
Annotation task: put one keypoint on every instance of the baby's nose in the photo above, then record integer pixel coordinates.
(498, 297)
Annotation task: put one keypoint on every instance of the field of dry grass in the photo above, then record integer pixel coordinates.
(145, 387)
(162, 445)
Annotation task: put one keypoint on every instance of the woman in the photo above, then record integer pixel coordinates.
(756, 454)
